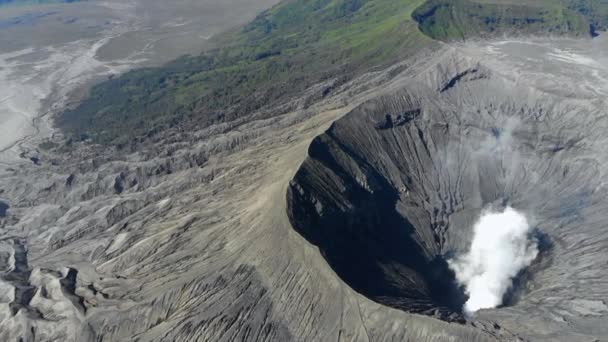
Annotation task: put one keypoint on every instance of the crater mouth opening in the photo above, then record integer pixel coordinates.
(368, 242)
(371, 246)
(388, 209)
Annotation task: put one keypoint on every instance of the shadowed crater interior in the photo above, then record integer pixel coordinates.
(3, 209)
(351, 198)
(391, 191)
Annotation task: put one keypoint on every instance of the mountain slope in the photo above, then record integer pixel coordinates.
(294, 45)
(307, 180)
(266, 230)
(276, 57)
(462, 19)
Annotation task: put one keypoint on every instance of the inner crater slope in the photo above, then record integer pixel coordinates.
(391, 191)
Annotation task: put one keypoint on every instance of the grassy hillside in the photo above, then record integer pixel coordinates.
(281, 53)
(596, 11)
(461, 19)
(296, 44)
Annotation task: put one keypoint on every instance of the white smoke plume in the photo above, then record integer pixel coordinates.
(501, 247)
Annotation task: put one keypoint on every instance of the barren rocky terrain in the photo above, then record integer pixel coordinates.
(222, 235)
(332, 221)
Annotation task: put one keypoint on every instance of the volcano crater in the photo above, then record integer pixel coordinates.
(390, 192)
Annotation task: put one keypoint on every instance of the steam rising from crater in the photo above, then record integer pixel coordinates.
(501, 248)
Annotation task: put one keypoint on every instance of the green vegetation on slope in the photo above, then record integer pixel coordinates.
(462, 19)
(280, 54)
(296, 44)
(596, 11)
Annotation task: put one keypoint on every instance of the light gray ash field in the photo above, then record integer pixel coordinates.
(334, 220)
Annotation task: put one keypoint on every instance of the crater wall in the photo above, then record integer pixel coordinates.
(391, 191)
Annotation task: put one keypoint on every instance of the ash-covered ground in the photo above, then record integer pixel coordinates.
(333, 222)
